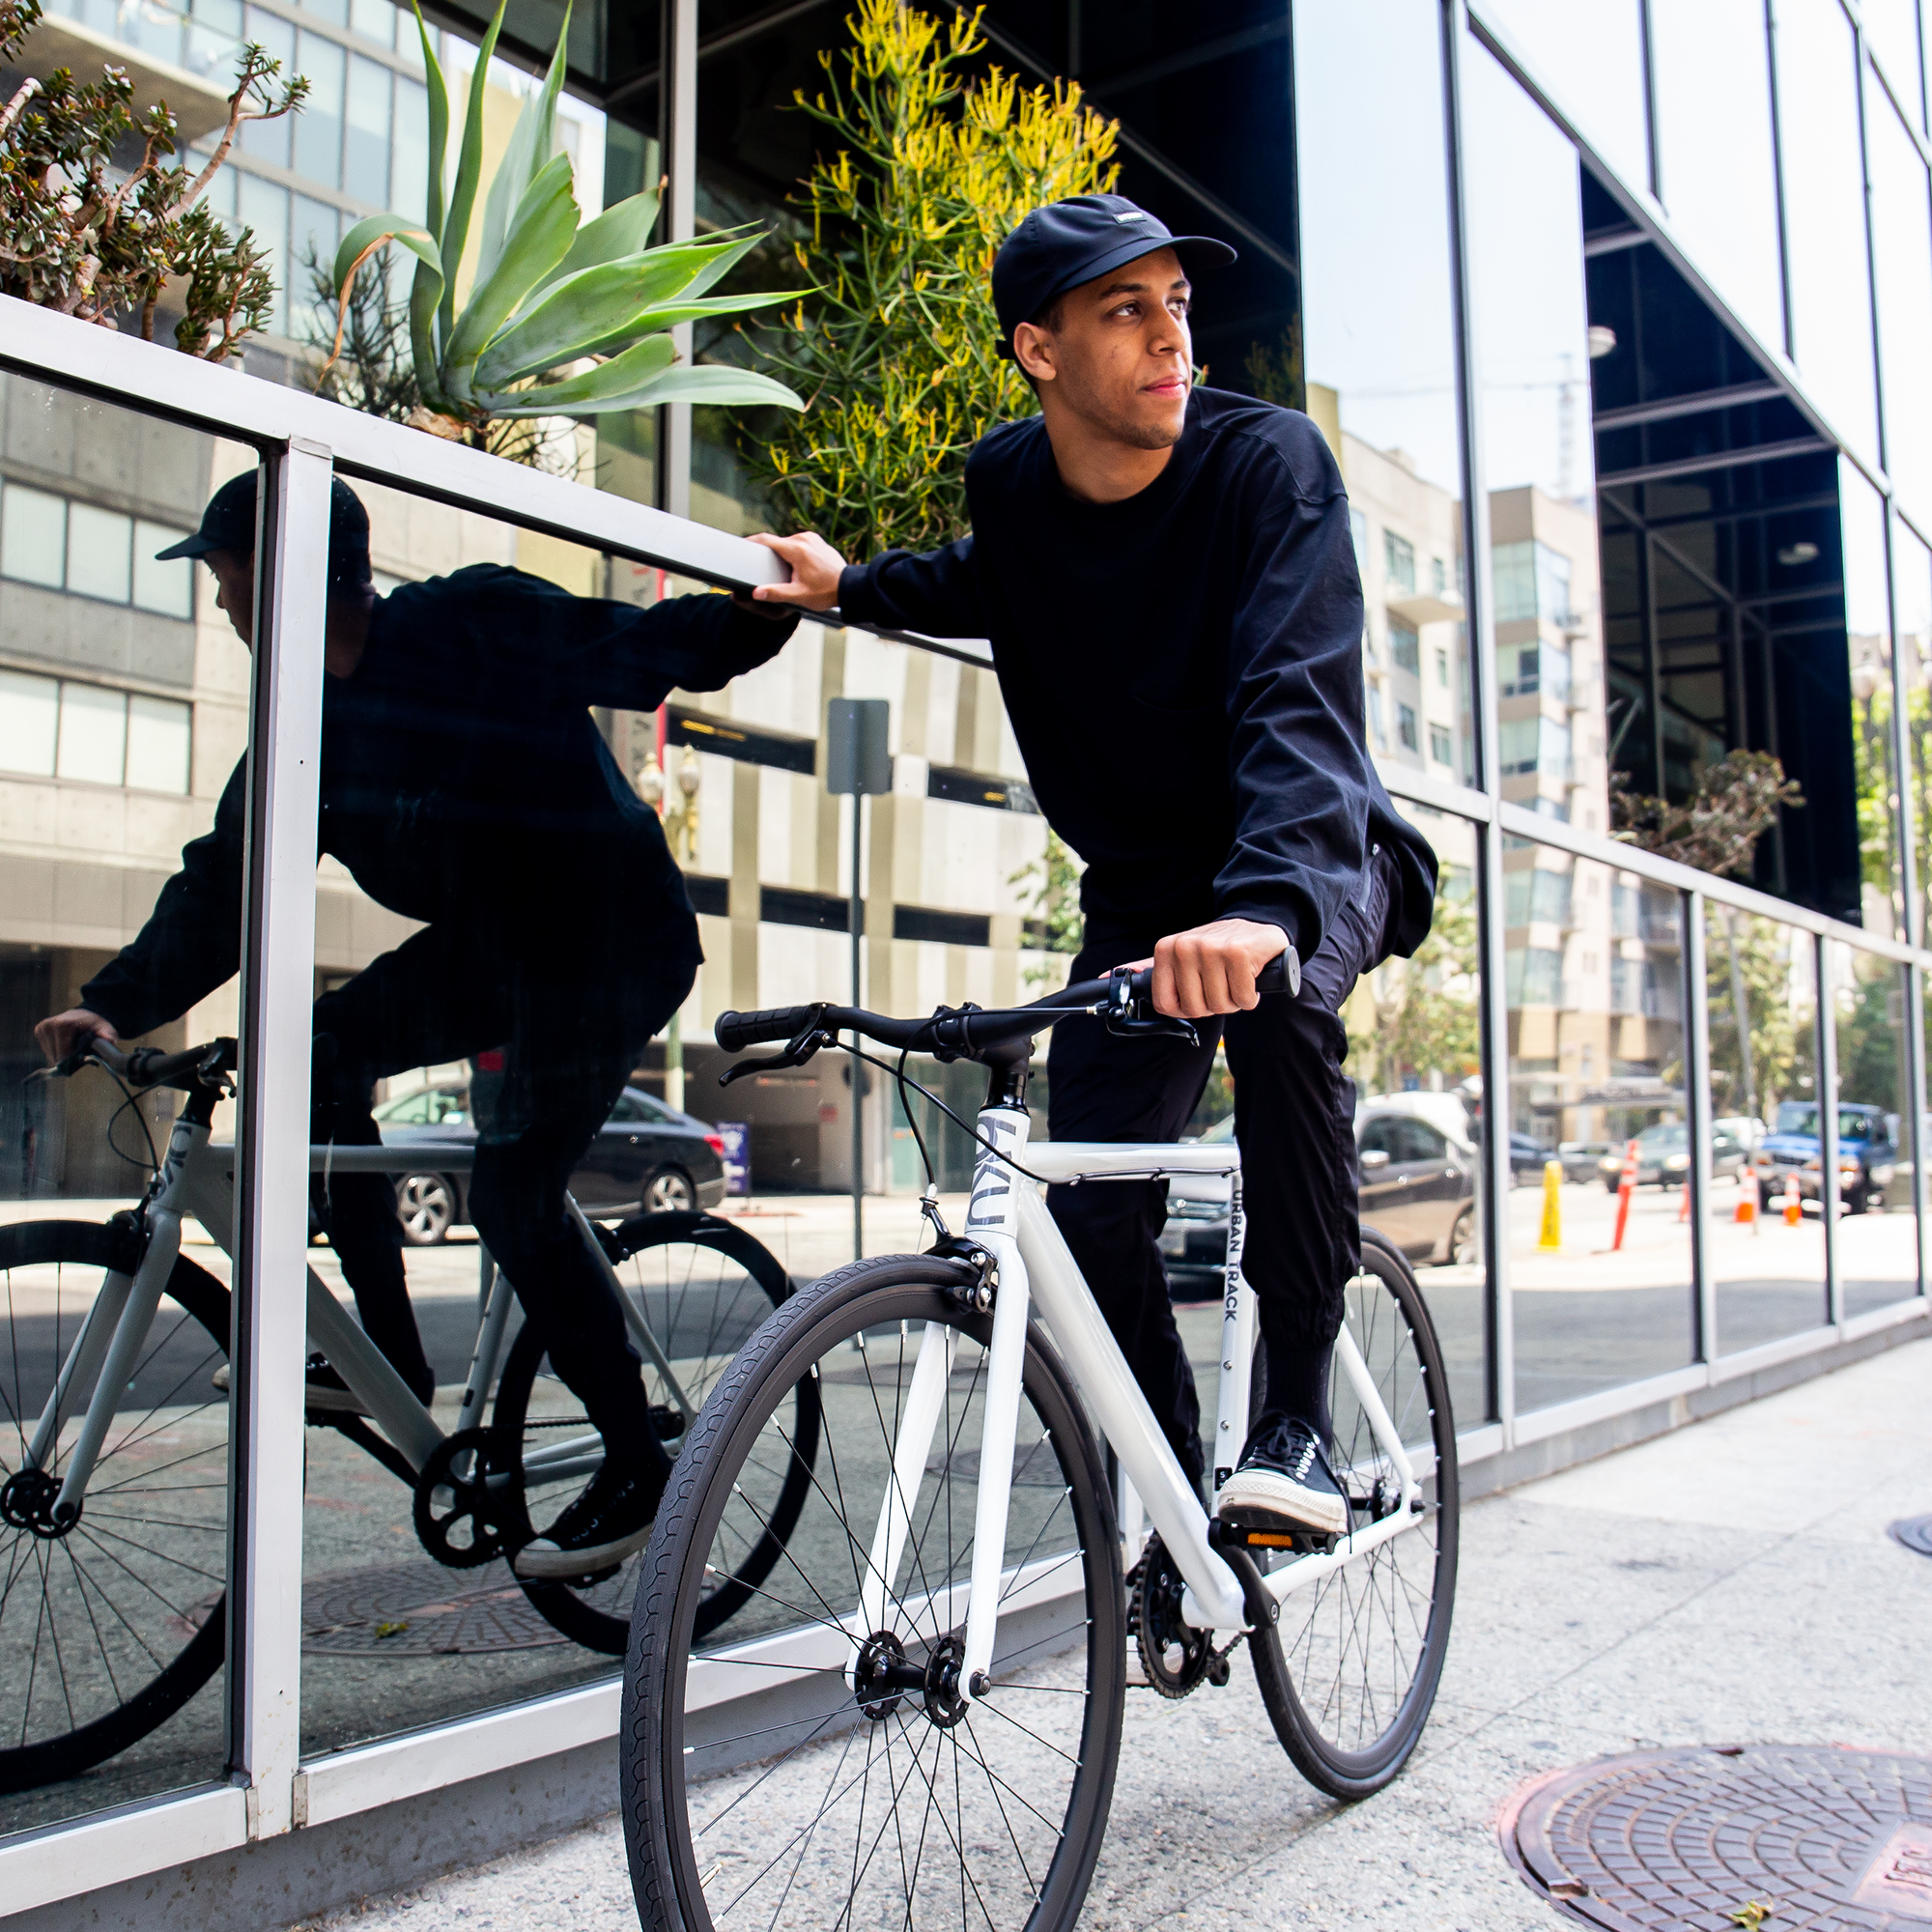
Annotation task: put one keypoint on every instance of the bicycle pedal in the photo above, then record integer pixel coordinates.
(1301, 1542)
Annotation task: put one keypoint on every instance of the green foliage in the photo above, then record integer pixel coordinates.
(1762, 953)
(585, 306)
(99, 239)
(1877, 794)
(1427, 1021)
(1055, 902)
(1871, 1037)
(1716, 829)
(930, 171)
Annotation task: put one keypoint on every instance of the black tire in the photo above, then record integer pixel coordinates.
(106, 1631)
(1029, 1760)
(668, 1190)
(705, 1287)
(1461, 1236)
(1384, 1618)
(428, 1207)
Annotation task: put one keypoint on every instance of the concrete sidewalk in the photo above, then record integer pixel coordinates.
(1732, 1581)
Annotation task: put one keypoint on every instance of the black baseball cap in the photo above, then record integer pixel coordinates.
(228, 522)
(1066, 242)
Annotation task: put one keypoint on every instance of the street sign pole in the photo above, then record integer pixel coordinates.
(858, 765)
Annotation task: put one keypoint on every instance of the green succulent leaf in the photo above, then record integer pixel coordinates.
(602, 388)
(468, 172)
(412, 234)
(619, 231)
(539, 238)
(425, 296)
(438, 129)
(597, 310)
(531, 142)
(715, 383)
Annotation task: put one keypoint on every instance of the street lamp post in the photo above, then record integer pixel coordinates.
(680, 824)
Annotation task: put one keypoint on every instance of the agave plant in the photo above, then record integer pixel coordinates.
(548, 292)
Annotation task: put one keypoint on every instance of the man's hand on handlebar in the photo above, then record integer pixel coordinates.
(1211, 969)
(815, 568)
(62, 1034)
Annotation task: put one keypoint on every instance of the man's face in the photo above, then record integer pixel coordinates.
(235, 592)
(1122, 358)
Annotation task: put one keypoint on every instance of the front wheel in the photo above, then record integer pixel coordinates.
(811, 1763)
(1348, 1674)
(109, 1624)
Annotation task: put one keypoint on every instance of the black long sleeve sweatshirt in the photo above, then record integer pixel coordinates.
(463, 779)
(1183, 671)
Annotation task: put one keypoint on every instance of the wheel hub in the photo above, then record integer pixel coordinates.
(884, 1677)
(27, 1502)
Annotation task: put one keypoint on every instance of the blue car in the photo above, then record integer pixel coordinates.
(1867, 1154)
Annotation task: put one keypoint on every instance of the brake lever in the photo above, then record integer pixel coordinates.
(1119, 1011)
(796, 1052)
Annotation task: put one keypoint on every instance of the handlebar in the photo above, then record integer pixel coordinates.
(965, 1033)
(188, 1071)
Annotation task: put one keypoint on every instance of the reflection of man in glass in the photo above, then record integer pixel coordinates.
(464, 784)
(1166, 569)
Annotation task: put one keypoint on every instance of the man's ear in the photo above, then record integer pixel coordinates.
(1033, 350)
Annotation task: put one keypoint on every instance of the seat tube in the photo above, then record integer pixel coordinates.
(992, 1218)
(1237, 1342)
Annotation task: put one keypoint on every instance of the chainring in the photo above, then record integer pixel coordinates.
(1174, 1656)
(446, 1503)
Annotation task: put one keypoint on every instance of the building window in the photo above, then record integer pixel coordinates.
(1535, 744)
(1377, 720)
(54, 727)
(1442, 669)
(1358, 536)
(1533, 976)
(1398, 561)
(1404, 725)
(1438, 574)
(1404, 648)
(1439, 746)
(1532, 581)
(90, 551)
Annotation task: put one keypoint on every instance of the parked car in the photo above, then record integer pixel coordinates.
(1418, 1187)
(1868, 1155)
(1663, 1156)
(647, 1158)
(1527, 1159)
(1583, 1160)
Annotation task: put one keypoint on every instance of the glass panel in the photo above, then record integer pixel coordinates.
(365, 159)
(1891, 31)
(264, 207)
(1590, 55)
(1717, 176)
(317, 127)
(268, 140)
(1824, 215)
(1769, 1271)
(98, 796)
(1527, 240)
(1878, 1229)
(375, 20)
(1912, 591)
(1601, 1285)
(166, 586)
(1379, 339)
(1902, 246)
(1868, 632)
(1414, 1054)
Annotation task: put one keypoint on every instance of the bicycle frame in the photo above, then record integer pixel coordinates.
(196, 1179)
(1007, 1215)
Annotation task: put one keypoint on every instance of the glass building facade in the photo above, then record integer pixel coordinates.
(1614, 316)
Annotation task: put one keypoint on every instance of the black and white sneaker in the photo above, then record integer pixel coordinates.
(609, 1521)
(1285, 1484)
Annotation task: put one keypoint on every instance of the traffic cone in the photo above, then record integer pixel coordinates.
(1626, 1187)
(1793, 1209)
(1552, 1207)
(1747, 1216)
(1684, 1205)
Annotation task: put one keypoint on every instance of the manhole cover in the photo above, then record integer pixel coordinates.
(1915, 1532)
(420, 1609)
(1693, 1839)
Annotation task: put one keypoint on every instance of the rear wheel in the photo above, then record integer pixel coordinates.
(1349, 1673)
(704, 1286)
(796, 1768)
(111, 1624)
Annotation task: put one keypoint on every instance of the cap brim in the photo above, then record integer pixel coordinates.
(194, 546)
(1198, 250)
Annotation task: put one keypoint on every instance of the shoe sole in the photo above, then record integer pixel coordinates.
(1281, 1499)
(542, 1561)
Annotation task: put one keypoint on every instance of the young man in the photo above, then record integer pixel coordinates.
(465, 785)
(1168, 580)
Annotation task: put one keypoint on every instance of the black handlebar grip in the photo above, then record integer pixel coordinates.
(1281, 975)
(734, 1032)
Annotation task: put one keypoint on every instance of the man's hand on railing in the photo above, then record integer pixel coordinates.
(815, 568)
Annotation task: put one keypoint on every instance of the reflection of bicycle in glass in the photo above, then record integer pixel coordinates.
(114, 1465)
(938, 1660)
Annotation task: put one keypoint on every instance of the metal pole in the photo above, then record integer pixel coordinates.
(855, 921)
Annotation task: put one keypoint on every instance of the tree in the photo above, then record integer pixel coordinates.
(929, 171)
(95, 220)
(1055, 902)
(1422, 1017)
(1734, 803)
(1754, 956)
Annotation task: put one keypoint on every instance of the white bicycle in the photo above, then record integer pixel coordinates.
(914, 1719)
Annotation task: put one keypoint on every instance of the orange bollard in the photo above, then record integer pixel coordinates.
(1684, 1205)
(1626, 1187)
(1747, 1216)
(1793, 1207)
